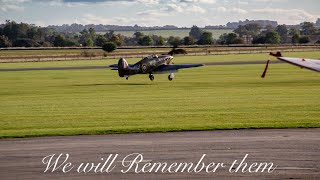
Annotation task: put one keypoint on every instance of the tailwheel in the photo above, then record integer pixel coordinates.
(151, 77)
(171, 76)
(127, 78)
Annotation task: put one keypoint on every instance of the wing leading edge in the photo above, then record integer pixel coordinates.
(175, 67)
(311, 64)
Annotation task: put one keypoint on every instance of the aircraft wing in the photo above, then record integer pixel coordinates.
(174, 67)
(115, 66)
(311, 64)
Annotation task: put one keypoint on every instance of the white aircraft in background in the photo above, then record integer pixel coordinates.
(312, 64)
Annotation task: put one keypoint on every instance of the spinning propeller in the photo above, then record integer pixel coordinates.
(176, 51)
(265, 70)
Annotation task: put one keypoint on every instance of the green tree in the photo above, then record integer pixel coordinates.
(31, 33)
(308, 28)
(295, 35)
(304, 40)
(206, 38)
(283, 32)
(295, 38)
(272, 37)
(88, 37)
(116, 39)
(195, 32)
(92, 33)
(89, 42)
(189, 40)
(138, 35)
(109, 46)
(174, 41)
(61, 41)
(269, 28)
(145, 41)
(5, 42)
(293, 32)
(230, 38)
(260, 39)
(101, 40)
(109, 34)
(248, 29)
(161, 41)
(158, 40)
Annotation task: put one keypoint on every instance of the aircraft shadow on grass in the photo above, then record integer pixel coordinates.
(113, 84)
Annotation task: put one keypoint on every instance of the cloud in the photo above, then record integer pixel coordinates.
(243, 2)
(146, 2)
(12, 5)
(270, 1)
(195, 9)
(199, 1)
(222, 9)
(173, 8)
(89, 1)
(293, 16)
(152, 13)
(93, 19)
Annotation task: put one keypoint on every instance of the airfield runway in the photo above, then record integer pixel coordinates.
(104, 67)
(295, 152)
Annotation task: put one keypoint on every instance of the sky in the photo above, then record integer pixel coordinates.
(181, 13)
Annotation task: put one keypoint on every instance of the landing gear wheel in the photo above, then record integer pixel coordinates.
(151, 77)
(171, 76)
(127, 78)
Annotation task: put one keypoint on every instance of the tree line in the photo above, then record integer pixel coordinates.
(14, 34)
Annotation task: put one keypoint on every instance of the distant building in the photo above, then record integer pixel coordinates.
(317, 24)
(263, 23)
(247, 39)
(314, 38)
(216, 27)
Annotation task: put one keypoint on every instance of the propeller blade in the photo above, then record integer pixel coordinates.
(265, 70)
(177, 51)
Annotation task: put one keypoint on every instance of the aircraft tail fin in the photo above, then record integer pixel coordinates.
(122, 67)
(278, 54)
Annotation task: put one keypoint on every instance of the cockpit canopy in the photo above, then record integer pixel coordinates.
(153, 56)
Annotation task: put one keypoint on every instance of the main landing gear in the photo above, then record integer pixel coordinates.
(151, 77)
(171, 76)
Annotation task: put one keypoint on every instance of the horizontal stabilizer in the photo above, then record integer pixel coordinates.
(278, 54)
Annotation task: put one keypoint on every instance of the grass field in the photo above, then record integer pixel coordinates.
(177, 59)
(41, 103)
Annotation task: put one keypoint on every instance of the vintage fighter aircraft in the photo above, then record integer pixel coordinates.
(312, 64)
(150, 65)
